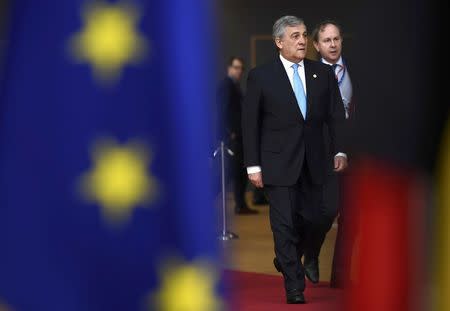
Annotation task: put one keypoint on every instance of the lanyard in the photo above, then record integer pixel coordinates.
(344, 68)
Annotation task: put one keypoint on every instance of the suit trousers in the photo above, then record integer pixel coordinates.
(346, 237)
(292, 232)
(329, 211)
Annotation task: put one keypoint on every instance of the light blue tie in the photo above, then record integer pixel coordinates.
(299, 91)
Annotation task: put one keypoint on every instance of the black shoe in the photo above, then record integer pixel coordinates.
(340, 283)
(245, 211)
(311, 267)
(277, 265)
(294, 296)
(335, 284)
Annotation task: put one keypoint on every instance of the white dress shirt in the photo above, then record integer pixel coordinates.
(290, 73)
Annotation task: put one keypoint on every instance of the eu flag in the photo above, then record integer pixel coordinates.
(104, 181)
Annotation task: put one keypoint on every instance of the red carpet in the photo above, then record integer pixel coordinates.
(261, 292)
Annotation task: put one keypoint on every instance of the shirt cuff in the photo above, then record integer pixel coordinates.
(253, 169)
(341, 154)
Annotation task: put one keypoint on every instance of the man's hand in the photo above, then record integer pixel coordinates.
(256, 179)
(340, 163)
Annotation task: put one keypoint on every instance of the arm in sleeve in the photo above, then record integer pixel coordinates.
(251, 114)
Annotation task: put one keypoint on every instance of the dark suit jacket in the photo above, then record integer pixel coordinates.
(230, 99)
(275, 135)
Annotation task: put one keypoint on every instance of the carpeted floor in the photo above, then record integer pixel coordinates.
(261, 292)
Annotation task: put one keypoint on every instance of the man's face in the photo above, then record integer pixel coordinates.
(293, 43)
(236, 70)
(329, 43)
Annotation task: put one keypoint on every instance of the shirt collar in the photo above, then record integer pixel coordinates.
(339, 62)
(288, 64)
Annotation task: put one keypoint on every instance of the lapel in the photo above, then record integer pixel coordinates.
(285, 86)
(310, 85)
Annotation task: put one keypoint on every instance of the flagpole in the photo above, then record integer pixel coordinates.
(225, 234)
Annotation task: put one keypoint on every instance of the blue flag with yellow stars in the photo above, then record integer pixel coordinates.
(105, 200)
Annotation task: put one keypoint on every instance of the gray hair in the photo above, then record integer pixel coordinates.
(286, 21)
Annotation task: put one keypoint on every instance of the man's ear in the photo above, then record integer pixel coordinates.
(316, 46)
(278, 43)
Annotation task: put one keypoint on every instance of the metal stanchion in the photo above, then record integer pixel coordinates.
(225, 234)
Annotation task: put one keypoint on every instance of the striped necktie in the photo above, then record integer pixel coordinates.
(338, 72)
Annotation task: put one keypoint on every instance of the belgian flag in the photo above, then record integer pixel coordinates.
(397, 135)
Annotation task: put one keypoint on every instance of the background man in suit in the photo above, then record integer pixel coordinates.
(230, 99)
(287, 104)
(327, 38)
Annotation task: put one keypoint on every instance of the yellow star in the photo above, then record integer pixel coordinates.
(109, 39)
(119, 179)
(187, 287)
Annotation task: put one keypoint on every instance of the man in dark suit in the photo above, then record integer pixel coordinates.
(288, 102)
(327, 38)
(230, 99)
